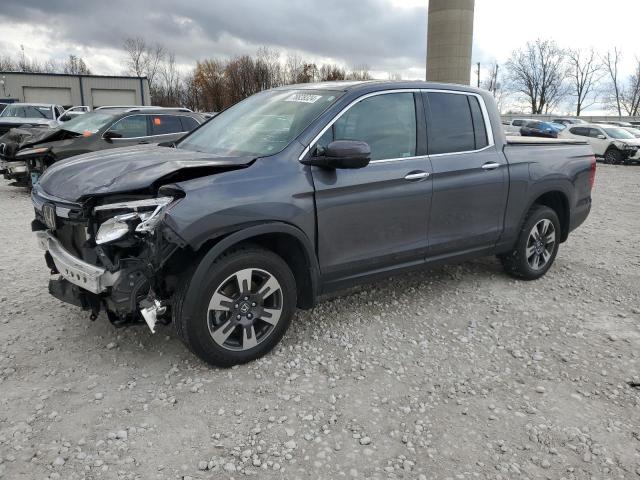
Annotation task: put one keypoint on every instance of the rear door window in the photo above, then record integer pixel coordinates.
(133, 126)
(188, 123)
(479, 127)
(581, 131)
(450, 128)
(165, 124)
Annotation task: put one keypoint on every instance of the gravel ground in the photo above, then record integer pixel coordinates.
(459, 372)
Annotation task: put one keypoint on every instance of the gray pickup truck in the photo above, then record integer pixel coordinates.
(300, 191)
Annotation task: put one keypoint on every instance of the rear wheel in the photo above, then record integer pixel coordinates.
(243, 309)
(537, 245)
(613, 156)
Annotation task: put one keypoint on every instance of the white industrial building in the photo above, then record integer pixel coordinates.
(70, 89)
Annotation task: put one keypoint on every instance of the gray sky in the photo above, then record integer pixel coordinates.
(387, 35)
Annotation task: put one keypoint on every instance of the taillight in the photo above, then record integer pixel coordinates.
(592, 172)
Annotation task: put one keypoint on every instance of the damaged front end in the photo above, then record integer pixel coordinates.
(112, 254)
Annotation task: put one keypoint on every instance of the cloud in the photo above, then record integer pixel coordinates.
(376, 33)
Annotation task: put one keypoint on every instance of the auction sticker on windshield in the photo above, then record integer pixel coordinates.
(303, 97)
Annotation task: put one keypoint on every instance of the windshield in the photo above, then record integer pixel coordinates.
(27, 111)
(618, 133)
(88, 123)
(633, 131)
(261, 125)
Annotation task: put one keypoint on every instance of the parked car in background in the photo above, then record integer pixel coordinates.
(635, 131)
(29, 114)
(73, 112)
(568, 121)
(612, 143)
(28, 152)
(541, 129)
(243, 221)
(513, 127)
(616, 123)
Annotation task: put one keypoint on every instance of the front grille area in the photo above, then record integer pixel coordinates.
(72, 236)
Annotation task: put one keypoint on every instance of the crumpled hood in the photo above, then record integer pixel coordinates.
(18, 138)
(127, 170)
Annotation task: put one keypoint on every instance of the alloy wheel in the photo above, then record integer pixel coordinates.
(244, 309)
(540, 244)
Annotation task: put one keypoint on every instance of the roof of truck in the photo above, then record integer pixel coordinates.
(353, 85)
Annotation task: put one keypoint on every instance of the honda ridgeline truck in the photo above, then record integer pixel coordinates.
(299, 191)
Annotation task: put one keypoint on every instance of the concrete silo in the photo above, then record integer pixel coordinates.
(449, 41)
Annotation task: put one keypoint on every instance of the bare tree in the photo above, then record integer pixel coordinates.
(630, 95)
(611, 60)
(76, 66)
(537, 71)
(331, 72)
(359, 72)
(143, 60)
(584, 73)
(495, 84)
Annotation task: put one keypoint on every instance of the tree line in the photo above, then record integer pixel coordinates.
(544, 75)
(539, 77)
(214, 84)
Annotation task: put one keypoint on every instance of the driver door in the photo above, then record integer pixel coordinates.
(375, 218)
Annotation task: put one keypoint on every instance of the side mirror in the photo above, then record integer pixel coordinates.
(65, 117)
(602, 137)
(110, 134)
(342, 154)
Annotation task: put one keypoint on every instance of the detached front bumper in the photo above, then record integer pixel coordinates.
(75, 270)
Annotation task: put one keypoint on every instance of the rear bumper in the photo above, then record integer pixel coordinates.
(579, 215)
(75, 270)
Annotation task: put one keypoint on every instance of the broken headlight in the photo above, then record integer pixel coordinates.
(144, 218)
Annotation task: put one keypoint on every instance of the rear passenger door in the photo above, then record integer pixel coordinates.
(470, 177)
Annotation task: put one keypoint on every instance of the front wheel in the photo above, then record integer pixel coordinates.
(243, 309)
(537, 245)
(613, 156)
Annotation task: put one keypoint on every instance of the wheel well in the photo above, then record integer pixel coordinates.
(291, 250)
(558, 202)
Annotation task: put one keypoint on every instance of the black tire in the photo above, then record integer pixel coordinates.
(518, 263)
(198, 331)
(613, 156)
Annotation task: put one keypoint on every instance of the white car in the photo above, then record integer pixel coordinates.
(612, 143)
(31, 114)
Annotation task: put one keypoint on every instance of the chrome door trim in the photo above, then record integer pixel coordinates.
(348, 107)
(483, 109)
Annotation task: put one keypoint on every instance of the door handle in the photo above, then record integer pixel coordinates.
(490, 166)
(143, 142)
(413, 176)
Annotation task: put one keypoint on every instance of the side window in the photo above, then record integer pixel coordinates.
(594, 132)
(479, 128)
(581, 131)
(165, 124)
(131, 127)
(451, 128)
(188, 123)
(386, 122)
(518, 123)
